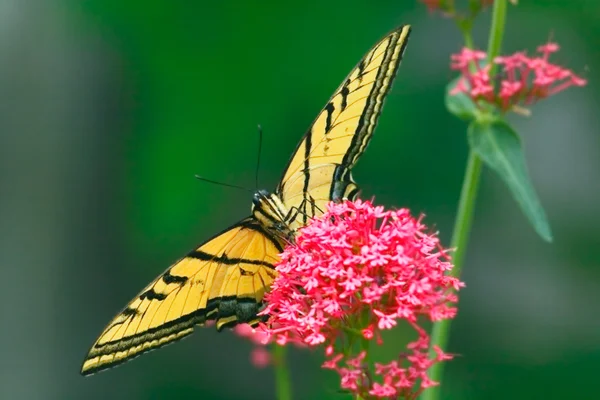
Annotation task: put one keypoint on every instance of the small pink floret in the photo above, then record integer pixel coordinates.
(260, 357)
(382, 390)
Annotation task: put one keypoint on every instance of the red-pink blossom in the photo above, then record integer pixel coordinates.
(353, 272)
(257, 336)
(447, 6)
(260, 356)
(521, 80)
(384, 390)
(432, 5)
(367, 333)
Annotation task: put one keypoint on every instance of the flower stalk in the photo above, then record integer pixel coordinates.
(460, 237)
(466, 206)
(283, 386)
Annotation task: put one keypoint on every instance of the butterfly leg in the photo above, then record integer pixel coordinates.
(292, 213)
(314, 207)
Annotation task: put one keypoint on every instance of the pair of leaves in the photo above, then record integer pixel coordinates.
(500, 148)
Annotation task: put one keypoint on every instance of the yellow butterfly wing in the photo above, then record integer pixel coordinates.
(319, 170)
(223, 279)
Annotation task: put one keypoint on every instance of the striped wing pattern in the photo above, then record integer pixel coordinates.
(223, 280)
(319, 170)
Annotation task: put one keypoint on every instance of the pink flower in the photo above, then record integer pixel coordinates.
(465, 57)
(257, 336)
(357, 362)
(385, 321)
(260, 357)
(447, 6)
(353, 272)
(432, 5)
(332, 363)
(522, 79)
(382, 390)
(367, 333)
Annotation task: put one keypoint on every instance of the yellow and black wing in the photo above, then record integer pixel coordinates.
(223, 279)
(319, 170)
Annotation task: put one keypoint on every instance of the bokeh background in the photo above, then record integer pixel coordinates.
(108, 108)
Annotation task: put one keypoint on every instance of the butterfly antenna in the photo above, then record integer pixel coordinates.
(260, 139)
(203, 179)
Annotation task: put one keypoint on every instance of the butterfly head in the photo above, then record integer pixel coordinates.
(270, 211)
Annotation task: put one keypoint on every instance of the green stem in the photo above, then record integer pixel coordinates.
(466, 206)
(364, 345)
(464, 219)
(496, 32)
(468, 39)
(282, 374)
(460, 237)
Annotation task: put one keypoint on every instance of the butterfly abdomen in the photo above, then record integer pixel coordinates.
(236, 310)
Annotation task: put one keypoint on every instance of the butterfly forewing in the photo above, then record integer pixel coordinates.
(341, 132)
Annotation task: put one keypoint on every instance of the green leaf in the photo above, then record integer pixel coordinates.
(460, 104)
(499, 147)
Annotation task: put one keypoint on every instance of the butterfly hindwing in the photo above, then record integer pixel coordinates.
(224, 279)
(341, 132)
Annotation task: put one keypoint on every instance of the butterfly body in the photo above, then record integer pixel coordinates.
(269, 210)
(225, 278)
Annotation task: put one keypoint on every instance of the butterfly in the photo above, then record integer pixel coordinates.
(225, 278)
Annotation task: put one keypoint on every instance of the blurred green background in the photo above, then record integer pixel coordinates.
(108, 108)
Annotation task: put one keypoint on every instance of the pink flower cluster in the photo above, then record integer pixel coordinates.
(396, 379)
(448, 5)
(523, 79)
(356, 271)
